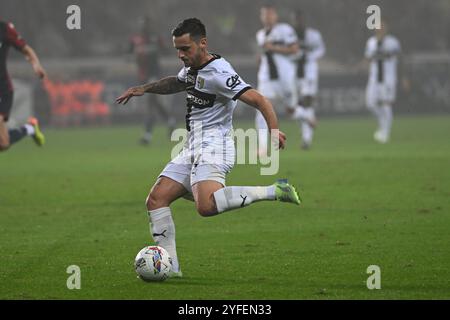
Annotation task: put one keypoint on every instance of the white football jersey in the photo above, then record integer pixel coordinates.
(312, 48)
(276, 66)
(212, 91)
(383, 69)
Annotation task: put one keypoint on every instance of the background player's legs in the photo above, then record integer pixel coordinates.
(376, 111)
(156, 108)
(386, 121)
(5, 108)
(149, 121)
(308, 123)
(165, 110)
(387, 97)
(304, 111)
(263, 133)
(17, 134)
(162, 227)
(374, 107)
(4, 135)
(9, 137)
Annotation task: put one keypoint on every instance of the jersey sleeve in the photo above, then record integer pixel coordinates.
(290, 36)
(181, 77)
(369, 52)
(230, 85)
(318, 49)
(398, 47)
(260, 38)
(13, 37)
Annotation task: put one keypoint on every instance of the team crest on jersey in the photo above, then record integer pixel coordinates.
(200, 82)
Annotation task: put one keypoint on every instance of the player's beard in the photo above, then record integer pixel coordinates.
(189, 63)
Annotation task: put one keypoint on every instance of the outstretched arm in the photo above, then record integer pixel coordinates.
(258, 101)
(34, 60)
(167, 85)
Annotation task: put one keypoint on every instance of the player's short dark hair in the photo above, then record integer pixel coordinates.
(193, 26)
(269, 5)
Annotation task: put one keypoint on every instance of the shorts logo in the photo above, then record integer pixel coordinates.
(233, 81)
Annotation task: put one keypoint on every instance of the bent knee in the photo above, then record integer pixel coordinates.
(154, 201)
(4, 146)
(206, 210)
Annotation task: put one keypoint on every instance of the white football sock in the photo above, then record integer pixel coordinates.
(30, 129)
(162, 230)
(311, 113)
(307, 132)
(229, 198)
(386, 120)
(300, 113)
(377, 112)
(263, 132)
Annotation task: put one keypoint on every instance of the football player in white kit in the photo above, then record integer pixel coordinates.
(382, 50)
(212, 88)
(276, 73)
(312, 48)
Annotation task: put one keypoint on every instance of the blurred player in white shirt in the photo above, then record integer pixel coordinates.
(276, 73)
(312, 48)
(382, 50)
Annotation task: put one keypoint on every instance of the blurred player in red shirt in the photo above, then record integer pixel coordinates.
(10, 37)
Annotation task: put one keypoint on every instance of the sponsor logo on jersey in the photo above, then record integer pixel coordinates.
(198, 99)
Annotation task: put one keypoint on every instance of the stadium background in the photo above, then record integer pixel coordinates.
(80, 200)
(95, 59)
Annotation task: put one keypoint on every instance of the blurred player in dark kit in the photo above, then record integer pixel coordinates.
(147, 47)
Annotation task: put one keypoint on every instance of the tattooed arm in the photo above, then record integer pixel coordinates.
(167, 85)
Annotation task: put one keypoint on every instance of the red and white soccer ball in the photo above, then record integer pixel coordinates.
(153, 263)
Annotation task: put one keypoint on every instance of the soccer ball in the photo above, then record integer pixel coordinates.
(153, 263)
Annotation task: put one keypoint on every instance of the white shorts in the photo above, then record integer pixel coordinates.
(282, 91)
(307, 87)
(380, 93)
(209, 157)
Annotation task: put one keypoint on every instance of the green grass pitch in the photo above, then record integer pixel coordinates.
(80, 201)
